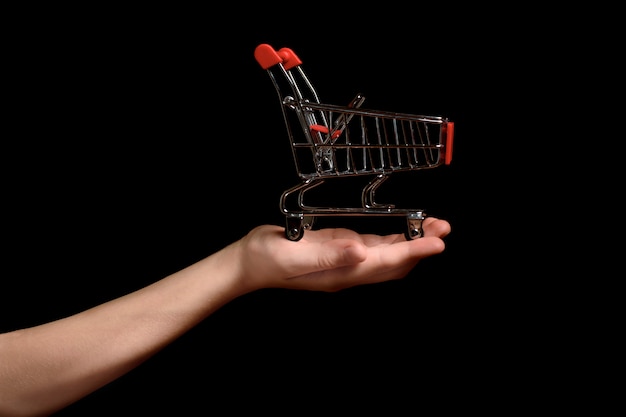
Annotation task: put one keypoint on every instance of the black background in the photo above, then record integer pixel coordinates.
(142, 141)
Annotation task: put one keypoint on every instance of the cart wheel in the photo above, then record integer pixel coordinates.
(294, 228)
(414, 227)
(308, 222)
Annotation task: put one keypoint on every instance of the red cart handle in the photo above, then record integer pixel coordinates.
(448, 131)
(267, 57)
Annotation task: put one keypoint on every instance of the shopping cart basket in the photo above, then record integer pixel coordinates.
(331, 141)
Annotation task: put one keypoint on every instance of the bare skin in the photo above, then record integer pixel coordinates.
(50, 366)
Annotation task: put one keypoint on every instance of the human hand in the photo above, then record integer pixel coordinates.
(332, 259)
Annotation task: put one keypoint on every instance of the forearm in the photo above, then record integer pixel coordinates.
(90, 349)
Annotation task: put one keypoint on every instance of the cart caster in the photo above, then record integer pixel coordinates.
(414, 226)
(295, 226)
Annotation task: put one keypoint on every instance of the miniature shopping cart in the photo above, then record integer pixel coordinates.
(331, 141)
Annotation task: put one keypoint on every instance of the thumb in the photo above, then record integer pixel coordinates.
(340, 252)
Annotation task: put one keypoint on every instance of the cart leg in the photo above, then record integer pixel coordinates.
(368, 195)
(299, 189)
(414, 225)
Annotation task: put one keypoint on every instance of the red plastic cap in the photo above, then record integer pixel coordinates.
(449, 132)
(290, 59)
(267, 57)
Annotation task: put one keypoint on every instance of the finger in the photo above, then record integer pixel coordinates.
(383, 263)
(436, 227)
(392, 261)
(333, 280)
